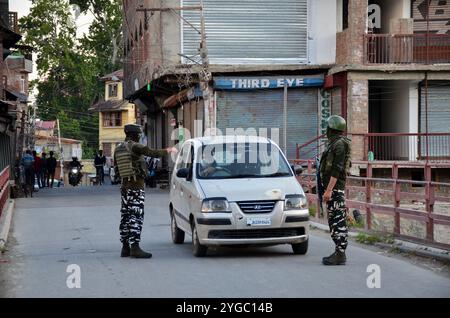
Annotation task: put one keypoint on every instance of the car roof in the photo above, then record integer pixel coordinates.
(209, 140)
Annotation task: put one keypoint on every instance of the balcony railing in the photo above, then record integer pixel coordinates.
(407, 147)
(407, 48)
(13, 22)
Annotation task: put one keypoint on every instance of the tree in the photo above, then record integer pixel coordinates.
(104, 40)
(69, 68)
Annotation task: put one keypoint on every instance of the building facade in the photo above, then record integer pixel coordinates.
(9, 37)
(392, 78)
(114, 113)
(381, 64)
(250, 59)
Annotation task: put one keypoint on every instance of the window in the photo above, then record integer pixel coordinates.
(22, 84)
(345, 14)
(112, 90)
(113, 119)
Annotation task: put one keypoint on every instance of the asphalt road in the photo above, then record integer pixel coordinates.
(79, 226)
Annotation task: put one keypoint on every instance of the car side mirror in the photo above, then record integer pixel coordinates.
(183, 173)
(297, 169)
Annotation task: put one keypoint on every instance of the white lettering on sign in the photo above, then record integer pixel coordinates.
(280, 82)
(258, 83)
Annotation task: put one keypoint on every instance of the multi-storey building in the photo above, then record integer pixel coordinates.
(114, 113)
(384, 65)
(252, 49)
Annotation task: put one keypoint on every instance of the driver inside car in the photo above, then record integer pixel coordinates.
(207, 166)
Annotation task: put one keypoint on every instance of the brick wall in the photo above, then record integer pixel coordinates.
(144, 47)
(358, 115)
(350, 42)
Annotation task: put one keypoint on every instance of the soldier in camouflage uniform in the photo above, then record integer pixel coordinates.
(334, 166)
(131, 168)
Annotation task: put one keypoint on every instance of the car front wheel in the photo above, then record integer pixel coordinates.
(300, 248)
(198, 249)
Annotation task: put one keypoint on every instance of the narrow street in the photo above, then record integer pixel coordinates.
(79, 226)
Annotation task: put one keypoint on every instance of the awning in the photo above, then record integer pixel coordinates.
(182, 97)
(109, 106)
(22, 98)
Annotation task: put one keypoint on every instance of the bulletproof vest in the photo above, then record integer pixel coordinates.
(325, 161)
(124, 161)
(130, 165)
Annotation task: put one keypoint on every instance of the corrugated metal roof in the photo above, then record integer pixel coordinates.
(109, 105)
(45, 125)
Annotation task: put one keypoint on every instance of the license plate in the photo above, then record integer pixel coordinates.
(258, 221)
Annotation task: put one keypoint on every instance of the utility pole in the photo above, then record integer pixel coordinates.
(204, 74)
(61, 151)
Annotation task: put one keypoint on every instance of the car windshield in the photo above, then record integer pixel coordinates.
(241, 160)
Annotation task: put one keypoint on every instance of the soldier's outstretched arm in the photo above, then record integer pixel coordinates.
(147, 151)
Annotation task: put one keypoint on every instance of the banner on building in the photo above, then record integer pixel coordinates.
(251, 83)
(438, 13)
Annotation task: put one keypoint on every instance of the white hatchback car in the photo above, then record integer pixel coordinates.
(237, 190)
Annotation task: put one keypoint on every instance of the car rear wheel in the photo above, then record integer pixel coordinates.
(177, 234)
(300, 248)
(198, 249)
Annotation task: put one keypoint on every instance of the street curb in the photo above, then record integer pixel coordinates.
(5, 224)
(419, 250)
(325, 228)
(403, 246)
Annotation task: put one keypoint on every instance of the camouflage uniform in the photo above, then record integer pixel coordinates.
(132, 191)
(335, 162)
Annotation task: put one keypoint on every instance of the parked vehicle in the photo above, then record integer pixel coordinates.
(237, 190)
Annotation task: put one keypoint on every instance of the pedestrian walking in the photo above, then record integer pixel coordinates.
(37, 166)
(132, 169)
(44, 173)
(99, 162)
(334, 167)
(28, 165)
(51, 167)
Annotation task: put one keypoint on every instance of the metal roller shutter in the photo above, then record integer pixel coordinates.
(264, 109)
(246, 31)
(438, 117)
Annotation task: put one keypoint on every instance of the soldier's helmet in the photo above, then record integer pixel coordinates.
(337, 123)
(133, 129)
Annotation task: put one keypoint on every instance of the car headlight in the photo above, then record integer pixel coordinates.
(295, 202)
(215, 205)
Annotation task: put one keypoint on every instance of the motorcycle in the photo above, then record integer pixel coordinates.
(75, 176)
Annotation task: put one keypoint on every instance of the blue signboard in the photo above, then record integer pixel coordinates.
(251, 83)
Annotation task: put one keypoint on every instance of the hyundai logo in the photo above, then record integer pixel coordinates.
(257, 207)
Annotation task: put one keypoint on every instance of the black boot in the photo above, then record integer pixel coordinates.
(337, 258)
(125, 250)
(136, 252)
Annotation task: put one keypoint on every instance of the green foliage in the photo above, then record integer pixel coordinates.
(368, 239)
(69, 68)
(312, 210)
(374, 238)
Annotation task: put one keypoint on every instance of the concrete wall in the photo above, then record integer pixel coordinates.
(322, 31)
(171, 34)
(395, 107)
(350, 42)
(358, 115)
(392, 10)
